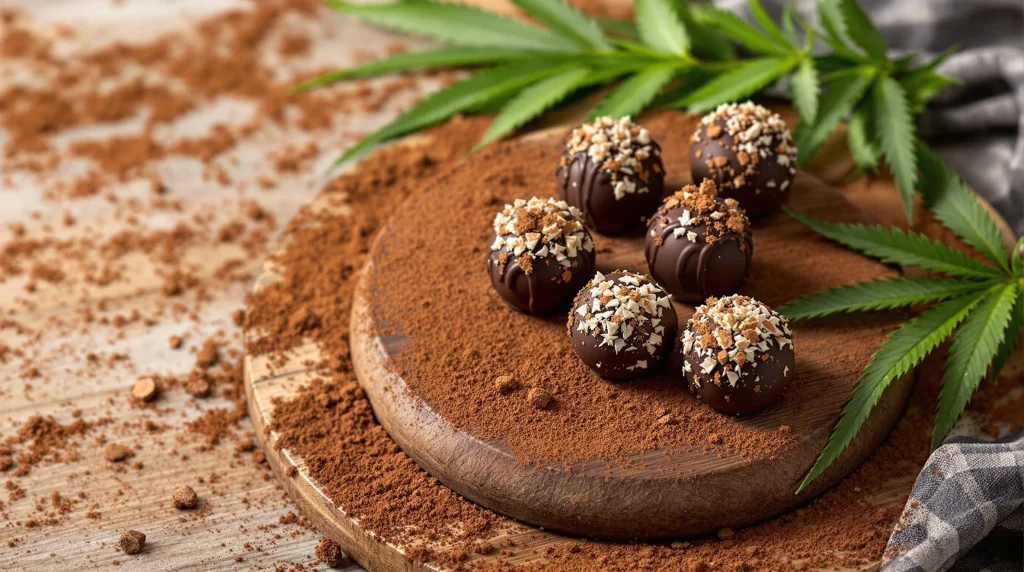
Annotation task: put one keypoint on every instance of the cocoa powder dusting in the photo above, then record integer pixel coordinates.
(380, 486)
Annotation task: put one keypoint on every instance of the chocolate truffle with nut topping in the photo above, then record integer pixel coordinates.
(540, 255)
(699, 244)
(611, 170)
(622, 325)
(737, 354)
(748, 152)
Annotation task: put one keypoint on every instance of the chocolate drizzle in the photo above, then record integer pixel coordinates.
(611, 170)
(540, 254)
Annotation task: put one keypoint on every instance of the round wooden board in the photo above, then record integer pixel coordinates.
(267, 379)
(661, 493)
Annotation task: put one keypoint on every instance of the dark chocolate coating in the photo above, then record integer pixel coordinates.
(749, 395)
(583, 184)
(692, 271)
(603, 360)
(543, 290)
(753, 195)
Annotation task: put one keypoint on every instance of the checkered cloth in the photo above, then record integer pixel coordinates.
(976, 127)
(966, 511)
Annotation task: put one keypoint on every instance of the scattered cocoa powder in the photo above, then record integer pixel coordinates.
(845, 526)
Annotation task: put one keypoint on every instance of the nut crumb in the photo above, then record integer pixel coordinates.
(506, 384)
(131, 541)
(184, 497)
(539, 398)
(144, 390)
(116, 453)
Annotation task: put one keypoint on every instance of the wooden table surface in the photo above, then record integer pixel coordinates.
(244, 520)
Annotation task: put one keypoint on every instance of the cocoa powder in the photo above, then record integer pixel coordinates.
(381, 487)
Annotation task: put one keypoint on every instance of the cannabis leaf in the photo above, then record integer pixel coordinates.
(877, 295)
(564, 19)
(457, 24)
(475, 90)
(974, 347)
(743, 33)
(897, 247)
(838, 99)
(987, 300)
(660, 28)
(636, 92)
(860, 29)
(805, 90)
(902, 350)
(957, 208)
(532, 101)
(896, 134)
(453, 57)
(860, 140)
(738, 83)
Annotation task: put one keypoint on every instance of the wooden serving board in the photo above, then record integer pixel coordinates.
(660, 493)
(265, 383)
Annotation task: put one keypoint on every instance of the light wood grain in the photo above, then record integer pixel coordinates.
(242, 503)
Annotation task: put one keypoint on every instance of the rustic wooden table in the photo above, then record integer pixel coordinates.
(244, 522)
(244, 505)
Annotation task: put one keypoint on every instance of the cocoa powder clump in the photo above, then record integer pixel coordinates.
(329, 553)
(506, 384)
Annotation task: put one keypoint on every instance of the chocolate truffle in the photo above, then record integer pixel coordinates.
(749, 152)
(737, 354)
(541, 254)
(611, 170)
(698, 244)
(622, 325)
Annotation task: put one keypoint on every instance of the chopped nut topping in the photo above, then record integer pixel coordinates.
(694, 207)
(757, 134)
(625, 313)
(732, 331)
(619, 146)
(538, 229)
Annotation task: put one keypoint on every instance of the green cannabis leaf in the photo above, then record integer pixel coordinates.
(987, 299)
(694, 56)
(669, 41)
